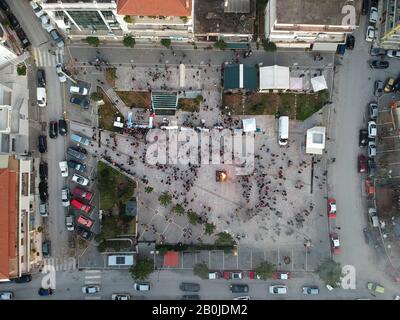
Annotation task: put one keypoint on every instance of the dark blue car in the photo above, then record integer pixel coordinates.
(80, 101)
(45, 292)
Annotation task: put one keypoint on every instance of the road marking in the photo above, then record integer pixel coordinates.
(91, 282)
(92, 271)
(93, 277)
(46, 59)
(92, 298)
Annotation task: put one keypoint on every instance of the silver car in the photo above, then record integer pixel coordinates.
(91, 289)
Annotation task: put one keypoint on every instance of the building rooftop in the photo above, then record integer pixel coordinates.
(240, 76)
(211, 17)
(167, 8)
(323, 12)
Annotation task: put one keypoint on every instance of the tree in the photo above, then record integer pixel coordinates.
(165, 199)
(148, 189)
(224, 239)
(166, 42)
(209, 228)
(178, 209)
(95, 96)
(128, 19)
(129, 41)
(220, 44)
(201, 270)
(199, 98)
(269, 46)
(194, 218)
(265, 270)
(184, 19)
(142, 269)
(330, 272)
(21, 70)
(93, 41)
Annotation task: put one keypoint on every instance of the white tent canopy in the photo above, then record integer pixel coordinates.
(249, 125)
(274, 78)
(315, 142)
(318, 83)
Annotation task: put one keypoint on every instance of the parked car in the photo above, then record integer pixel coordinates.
(65, 197)
(53, 129)
(46, 248)
(64, 168)
(84, 221)
(80, 101)
(239, 288)
(13, 21)
(37, 9)
(377, 52)
(43, 191)
(373, 15)
(375, 287)
(371, 167)
(42, 144)
(24, 278)
(85, 234)
(69, 223)
(4, 6)
(331, 208)
(369, 187)
(371, 149)
(92, 289)
(77, 165)
(78, 90)
(189, 286)
(378, 87)
(335, 243)
(120, 296)
(389, 87)
(363, 138)
(379, 64)
(350, 41)
(62, 127)
(23, 38)
(44, 209)
(190, 297)
(76, 153)
(214, 275)
(310, 290)
(43, 170)
(80, 179)
(87, 195)
(60, 72)
(45, 292)
(142, 286)
(365, 7)
(55, 35)
(373, 217)
(6, 295)
(41, 78)
(234, 275)
(282, 275)
(362, 163)
(370, 34)
(80, 206)
(278, 289)
(373, 110)
(393, 53)
(372, 129)
(80, 140)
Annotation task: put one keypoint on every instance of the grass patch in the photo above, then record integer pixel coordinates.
(108, 113)
(190, 105)
(114, 187)
(110, 75)
(308, 104)
(114, 246)
(135, 99)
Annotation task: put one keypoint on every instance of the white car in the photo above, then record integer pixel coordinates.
(91, 289)
(371, 149)
(60, 73)
(78, 90)
(6, 295)
(278, 289)
(373, 15)
(120, 296)
(370, 34)
(80, 180)
(372, 129)
(393, 53)
(46, 24)
(69, 222)
(64, 168)
(36, 9)
(65, 197)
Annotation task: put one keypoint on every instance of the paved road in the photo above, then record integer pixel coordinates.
(353, 91)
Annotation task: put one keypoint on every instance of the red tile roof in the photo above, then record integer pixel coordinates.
(167, 8)
(8, 221)
(171, 259)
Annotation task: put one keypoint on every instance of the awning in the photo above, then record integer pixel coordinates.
(249, 125)
(171, 259)
(237, 45)
(325, 46)
(318, 83)
(274, 78)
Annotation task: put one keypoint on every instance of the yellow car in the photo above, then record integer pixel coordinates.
(375, 287)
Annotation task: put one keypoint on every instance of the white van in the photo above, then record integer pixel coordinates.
(142, 286)
(283, 130)
(41, 97)
(78, 90)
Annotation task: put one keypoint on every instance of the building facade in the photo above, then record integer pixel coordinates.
(7, 55)
(390, 25)
(317, 25)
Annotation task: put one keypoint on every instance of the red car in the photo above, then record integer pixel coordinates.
(335, 243)
(281, 275)
(87, 195)
(85, 221)
(331, 208)
(362, 163)
(80, 206)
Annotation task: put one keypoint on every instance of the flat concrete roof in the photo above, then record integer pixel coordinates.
(322, 12)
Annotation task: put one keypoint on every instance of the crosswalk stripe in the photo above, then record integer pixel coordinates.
(91, 282)
(92, 277)
(46, 59)
(92, 271)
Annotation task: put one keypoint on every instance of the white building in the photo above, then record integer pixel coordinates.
(6, 54)
(315, 141)
(319, 25)
(274, 78)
